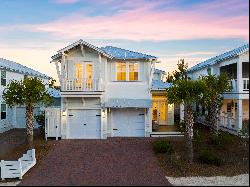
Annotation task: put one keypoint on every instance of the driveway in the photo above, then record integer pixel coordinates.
(115, 161)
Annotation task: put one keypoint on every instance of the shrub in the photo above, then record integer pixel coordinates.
(199, 136)
(181, 126)
(244, 132)
(40, 119)
(221, 139)
(208, 157)
(163, 146)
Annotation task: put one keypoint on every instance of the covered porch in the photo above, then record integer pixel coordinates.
(163, 116)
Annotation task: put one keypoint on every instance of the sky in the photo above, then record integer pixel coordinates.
(31, 31)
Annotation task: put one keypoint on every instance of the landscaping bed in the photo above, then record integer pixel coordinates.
(13, 145)
(227, 155)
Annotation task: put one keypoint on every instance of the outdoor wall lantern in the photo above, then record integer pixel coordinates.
(64, 113)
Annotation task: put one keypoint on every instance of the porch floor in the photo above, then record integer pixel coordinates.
(166, 128)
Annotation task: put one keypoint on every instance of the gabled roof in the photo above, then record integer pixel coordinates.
(16, 67)
(160, 85)
(108, 51)
(54, 93)
(219, 58)
(119, 53)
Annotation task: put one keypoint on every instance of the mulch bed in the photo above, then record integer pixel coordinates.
(13, 145)
(234, 155)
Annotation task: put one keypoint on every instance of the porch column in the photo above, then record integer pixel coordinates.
(239, 114)
(239, 77)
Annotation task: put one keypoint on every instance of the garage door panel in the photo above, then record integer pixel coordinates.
(128, 122)
(85, 124)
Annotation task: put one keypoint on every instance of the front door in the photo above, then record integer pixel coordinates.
(159, 112)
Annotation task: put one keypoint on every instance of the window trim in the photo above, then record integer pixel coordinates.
(127, 72)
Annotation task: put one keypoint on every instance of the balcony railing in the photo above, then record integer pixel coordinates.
(82, 85)
(233, 83)
(245, 84)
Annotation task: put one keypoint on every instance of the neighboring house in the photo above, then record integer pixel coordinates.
(235, 109)
(106, 92)
(15, 117)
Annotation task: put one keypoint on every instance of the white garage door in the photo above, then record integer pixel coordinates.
(128, 122)
(84, 124)
(21, 117)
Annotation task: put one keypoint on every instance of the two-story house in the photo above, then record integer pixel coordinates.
(105, 92)
(235, 63)
(15, 117)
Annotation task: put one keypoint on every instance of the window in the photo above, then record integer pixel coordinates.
(79, 69)
(121, 71)
(229, 107)
(133, 71)
(3, 111)
(3, 77)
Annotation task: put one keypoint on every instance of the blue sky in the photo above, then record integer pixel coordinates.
(31, 31)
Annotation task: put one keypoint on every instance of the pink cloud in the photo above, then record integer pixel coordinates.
(142, 23)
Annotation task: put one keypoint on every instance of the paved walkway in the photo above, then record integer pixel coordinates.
(116, 161)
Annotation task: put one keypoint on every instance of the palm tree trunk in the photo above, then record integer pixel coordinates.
(213, 118)
(29, 126)
(189, 121)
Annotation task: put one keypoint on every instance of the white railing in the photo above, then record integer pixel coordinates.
(228, 123)
(16, 169)
(233, 83)
(83, 85)
(245, 82)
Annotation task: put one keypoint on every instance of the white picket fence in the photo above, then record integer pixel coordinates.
(16, 169)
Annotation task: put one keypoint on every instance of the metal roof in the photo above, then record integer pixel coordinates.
(108, 51)
(128, 103)
(160, 85)
(16, 67)
(219, 58)
(158, 71)
(120, 53)
(54, 93)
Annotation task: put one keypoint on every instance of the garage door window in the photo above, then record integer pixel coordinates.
(3, 111)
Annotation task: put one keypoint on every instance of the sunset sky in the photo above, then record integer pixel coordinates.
(31, 31)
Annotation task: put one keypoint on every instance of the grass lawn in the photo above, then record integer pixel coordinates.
(230, 152)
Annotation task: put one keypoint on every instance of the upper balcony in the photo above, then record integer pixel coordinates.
(84, 85)
(244, 85)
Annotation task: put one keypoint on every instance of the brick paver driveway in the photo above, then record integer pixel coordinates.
(115, 161)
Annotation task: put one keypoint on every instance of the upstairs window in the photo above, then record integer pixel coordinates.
(3, 77)
(121, 71)
(3, 111)
(133, 71)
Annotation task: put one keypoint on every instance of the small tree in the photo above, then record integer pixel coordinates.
(185, 91)
(214, 87)
(28, 93)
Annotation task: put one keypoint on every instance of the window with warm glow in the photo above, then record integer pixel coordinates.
(121, 71)
(133, 71)
(79, 74)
